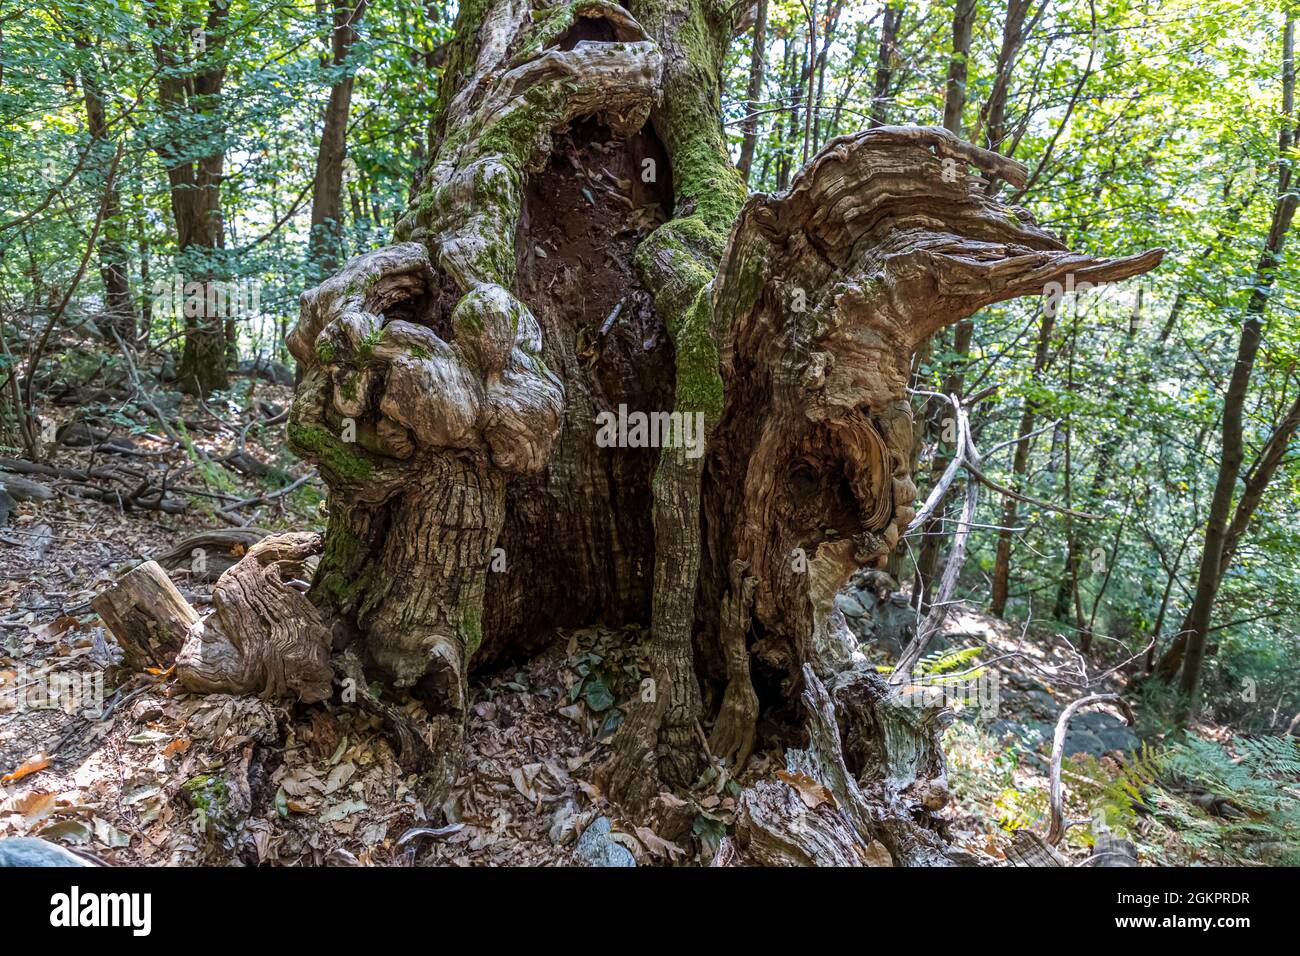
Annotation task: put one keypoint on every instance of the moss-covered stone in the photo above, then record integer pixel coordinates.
(220, 814)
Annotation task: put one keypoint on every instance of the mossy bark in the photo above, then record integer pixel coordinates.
(451, 382)
(426, 386)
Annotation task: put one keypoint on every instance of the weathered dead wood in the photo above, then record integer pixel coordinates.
(818, 812)
(147, 615)
(813, 814)
(24, 489)
(142, 496)
(1057, 796)
(1108, 850)
(1030, 849)
(264, 637)
(209, 554)
(822, 295)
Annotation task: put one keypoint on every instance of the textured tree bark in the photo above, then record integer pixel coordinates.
(426, 386)
(807, 476)
(451, 384)
(264, 637)
(147, 615)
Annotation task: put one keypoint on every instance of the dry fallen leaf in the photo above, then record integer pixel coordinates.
(49, 633)
(34, 806)
(812, 793)
(339, 776)
(876, 855)
(657, 845)
(109, 835)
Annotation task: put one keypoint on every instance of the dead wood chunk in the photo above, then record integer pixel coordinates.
(1030, 849)
(776, 827)
(246, 464)
(264, 637)
(147, 615)
(24, 489)
(1110, 850)
(210, 554)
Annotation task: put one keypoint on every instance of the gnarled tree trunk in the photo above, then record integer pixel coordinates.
(581, 242)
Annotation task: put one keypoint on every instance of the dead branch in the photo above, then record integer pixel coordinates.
(1057, 829)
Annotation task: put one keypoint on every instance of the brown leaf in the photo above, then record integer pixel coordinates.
(34, 806)
(657, 845)
(325, 733)
(49, 633)
(876, 855)
(812, 793)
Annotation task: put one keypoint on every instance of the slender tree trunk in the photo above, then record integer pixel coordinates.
(754, 94)
(1188, 649)
(191, 100)
(954, 100)
(326, 248)
(113, 260)
(1020, 468)
(993, 116)
(886, 56)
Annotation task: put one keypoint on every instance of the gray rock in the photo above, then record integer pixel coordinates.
(275, 372)
(31, 851)
(595, 848)
(167, 402)
(850, 604)
(1113, 733)
(1018, 681)
(888, 623)
(1041, 703)
(1095, 733)
(1083, 741)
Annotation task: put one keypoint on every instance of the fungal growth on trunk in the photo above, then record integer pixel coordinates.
(581, 247)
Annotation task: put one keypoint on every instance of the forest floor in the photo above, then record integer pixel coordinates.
(156, 776)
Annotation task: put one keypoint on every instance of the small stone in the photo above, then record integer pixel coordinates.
(595, 848)
(30, 851)
(849, 603)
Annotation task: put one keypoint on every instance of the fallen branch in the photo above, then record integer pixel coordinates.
(1057, 800)
(269, 495)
